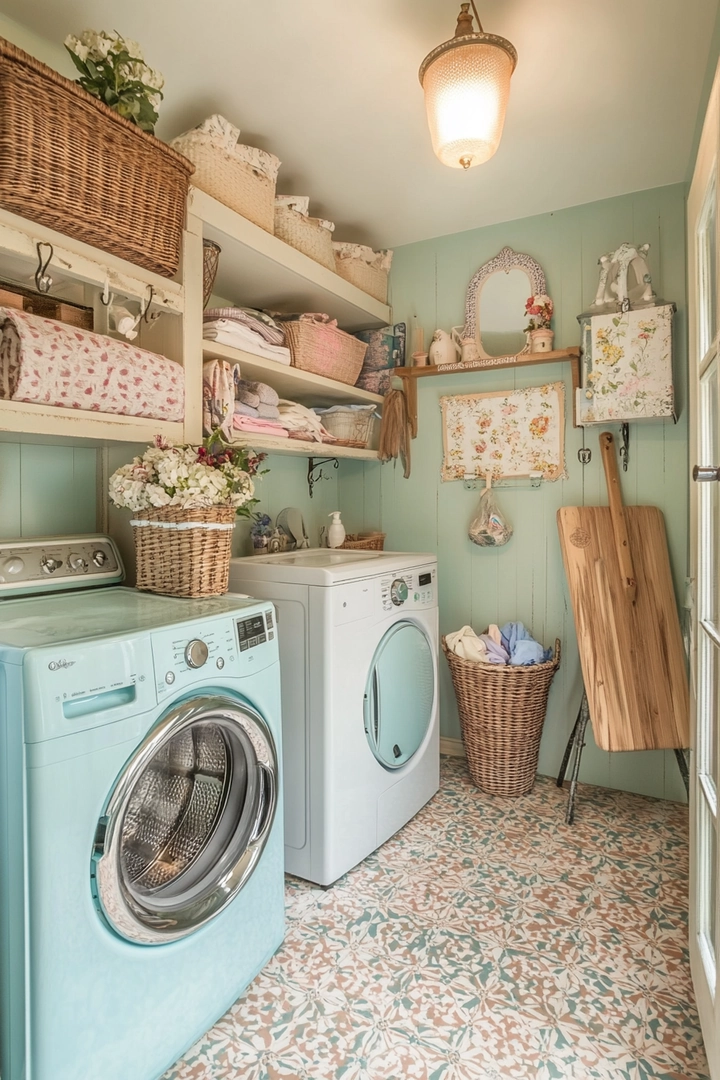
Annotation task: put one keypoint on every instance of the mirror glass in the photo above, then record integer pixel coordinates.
(501, 315)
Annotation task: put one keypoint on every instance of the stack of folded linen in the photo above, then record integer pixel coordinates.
(303, 423)
(256, 408)
(248, 329)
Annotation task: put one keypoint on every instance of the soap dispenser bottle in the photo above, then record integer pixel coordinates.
(336, 532)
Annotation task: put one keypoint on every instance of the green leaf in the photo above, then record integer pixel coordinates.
(78, 63)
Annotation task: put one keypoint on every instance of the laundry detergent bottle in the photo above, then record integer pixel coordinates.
(336, 532)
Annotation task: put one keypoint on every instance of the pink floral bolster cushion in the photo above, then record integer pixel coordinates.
(45, 362)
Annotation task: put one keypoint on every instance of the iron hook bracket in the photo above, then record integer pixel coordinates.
(43, 281)
(315, 466)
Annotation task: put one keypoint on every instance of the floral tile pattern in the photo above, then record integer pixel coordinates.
(487, 940)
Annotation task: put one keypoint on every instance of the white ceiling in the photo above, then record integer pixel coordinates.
(604, 99)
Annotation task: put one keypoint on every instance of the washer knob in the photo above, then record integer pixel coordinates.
(76, 562)
(398, 592)
(99, 557)
(48, 565)
(14, 565)
(196, 653)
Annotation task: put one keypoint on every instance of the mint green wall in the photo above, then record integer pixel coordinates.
(525, 580)
(46, 490)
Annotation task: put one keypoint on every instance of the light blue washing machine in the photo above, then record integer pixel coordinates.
(141, 845)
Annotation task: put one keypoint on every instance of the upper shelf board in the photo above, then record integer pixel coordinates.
(291, 382)
(259, 270)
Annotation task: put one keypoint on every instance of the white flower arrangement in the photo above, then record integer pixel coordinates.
(113, 69)
(191, 477)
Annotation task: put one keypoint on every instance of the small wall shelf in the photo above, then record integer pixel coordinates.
(260, 270)
(410, 376)
(291, 382)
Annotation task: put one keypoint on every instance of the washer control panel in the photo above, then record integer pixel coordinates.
(409, 589)
(48, 563)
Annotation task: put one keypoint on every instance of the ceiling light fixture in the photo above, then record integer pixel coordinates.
(466, 81)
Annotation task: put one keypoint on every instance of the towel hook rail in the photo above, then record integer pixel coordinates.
(43, 280)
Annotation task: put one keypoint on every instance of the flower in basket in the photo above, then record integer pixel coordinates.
(189, 477)
(539, 310)
(113, 69)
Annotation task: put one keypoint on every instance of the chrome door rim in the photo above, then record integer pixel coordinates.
(156, 923)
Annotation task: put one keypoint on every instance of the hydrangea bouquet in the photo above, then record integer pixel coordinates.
(113, 69)
(539, 310)
(190, 477)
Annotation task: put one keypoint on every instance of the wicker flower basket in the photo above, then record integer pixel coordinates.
(184, 552)
(366, 542)
(324, 350)
(307, 234)
(502, 712)
(223, 173)
(69, 162)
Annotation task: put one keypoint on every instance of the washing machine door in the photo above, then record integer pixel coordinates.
(399, 694)
(187, 820)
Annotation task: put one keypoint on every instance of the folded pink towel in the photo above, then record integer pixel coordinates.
(258, 427)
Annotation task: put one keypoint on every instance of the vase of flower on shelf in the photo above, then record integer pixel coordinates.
(539, 311)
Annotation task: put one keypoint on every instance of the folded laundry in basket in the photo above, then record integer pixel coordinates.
(45, 362)
(466, 644)
(522, 646)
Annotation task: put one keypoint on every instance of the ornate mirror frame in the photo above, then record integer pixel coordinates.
(506, 260)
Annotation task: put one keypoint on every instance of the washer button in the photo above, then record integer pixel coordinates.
(170, 678)
(220, 663)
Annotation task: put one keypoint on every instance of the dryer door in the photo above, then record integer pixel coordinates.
(187, 820)
(399, 695)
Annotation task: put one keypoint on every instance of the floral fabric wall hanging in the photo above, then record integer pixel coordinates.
(510, 433)
(627, 366)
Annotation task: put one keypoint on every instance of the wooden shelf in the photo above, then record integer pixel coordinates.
(290, 382)
(259, 270)
(56, 423)
(410, 375)
(273, 445)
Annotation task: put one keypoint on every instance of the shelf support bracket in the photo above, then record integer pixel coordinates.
(315, 473)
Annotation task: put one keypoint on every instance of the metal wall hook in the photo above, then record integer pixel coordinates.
(315, 465)
(625, 445)
(145, 309)
(106, 297)
(43, 281)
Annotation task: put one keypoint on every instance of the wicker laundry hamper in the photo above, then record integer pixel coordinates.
(502, 712)
(364, 541)
(184, 552)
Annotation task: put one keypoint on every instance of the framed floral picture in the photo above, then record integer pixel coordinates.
(509, 433)
(627, 366)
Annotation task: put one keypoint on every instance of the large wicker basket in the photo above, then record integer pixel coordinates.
(223, 174)
(502, 712)
(307, 234)
(69, 162)
(184, 552)
(324, 350)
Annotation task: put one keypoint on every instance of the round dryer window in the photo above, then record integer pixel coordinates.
(186, 821)
(400, 694)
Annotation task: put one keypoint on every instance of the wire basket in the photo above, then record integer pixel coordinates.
(502, 712)
(364, 542)
(69, 162)
(211, 261)
(184, 552)
(324, 350)
(351, 425)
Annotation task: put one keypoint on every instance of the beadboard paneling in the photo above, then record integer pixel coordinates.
(525, 580)
(47, 490)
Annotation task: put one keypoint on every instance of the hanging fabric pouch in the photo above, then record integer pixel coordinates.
(489, 528)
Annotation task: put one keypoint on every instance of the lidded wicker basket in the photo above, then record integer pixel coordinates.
(312, 236)
(324, 350)
(184, 552)
(502, 712)
(69, 162)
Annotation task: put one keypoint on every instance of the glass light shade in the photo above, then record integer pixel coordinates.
(467, 86)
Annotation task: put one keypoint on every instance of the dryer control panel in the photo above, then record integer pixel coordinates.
(410, 589)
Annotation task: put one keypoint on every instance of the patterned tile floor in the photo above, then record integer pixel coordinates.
(486, 940)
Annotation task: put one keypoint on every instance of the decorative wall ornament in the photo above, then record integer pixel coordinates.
(626, 366)
(613, 286)
(505, 261)
(505, 434)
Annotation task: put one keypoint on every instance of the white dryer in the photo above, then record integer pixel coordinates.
(358, 635)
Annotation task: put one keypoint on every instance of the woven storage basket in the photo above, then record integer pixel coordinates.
(369, 542)
(230, 180)
(370, 279)
(324, 350)
(307, 234)
(352, 424)
(502, 711)
(69, 162)
(184, 552)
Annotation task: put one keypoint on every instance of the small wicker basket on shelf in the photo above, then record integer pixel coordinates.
(308, 234)
(352, 425)
(502, 712)
(364, 541)
(184, 552)
(324, 350)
